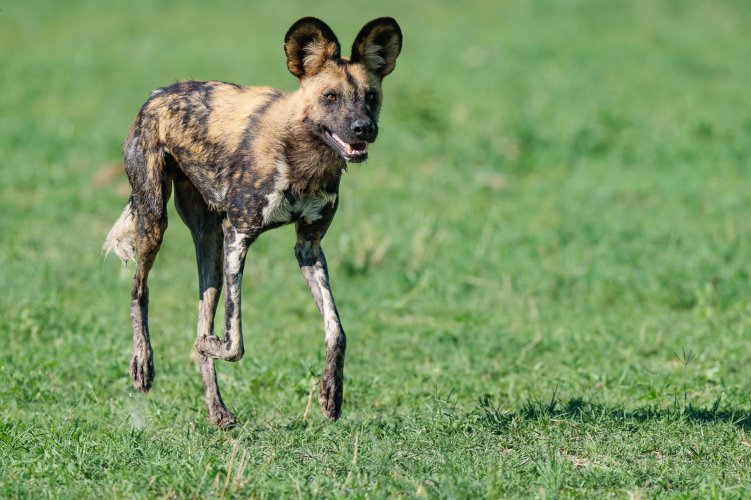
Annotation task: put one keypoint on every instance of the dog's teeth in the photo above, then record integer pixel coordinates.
(349, 149)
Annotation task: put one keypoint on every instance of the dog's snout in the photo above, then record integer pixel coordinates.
(364, 128)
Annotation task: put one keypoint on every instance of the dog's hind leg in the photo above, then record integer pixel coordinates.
(148, 243)
(152, 185)
(206, 228)
(142, 356)
(137, 238)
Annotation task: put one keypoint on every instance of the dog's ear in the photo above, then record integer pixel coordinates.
(309, 43)
(377, 46)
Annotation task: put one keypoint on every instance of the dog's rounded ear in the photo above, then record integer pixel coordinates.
(308, 44)
(377, 46)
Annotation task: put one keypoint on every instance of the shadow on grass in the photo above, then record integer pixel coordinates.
(579, 409)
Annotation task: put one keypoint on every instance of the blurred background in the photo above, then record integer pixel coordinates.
(558, 201)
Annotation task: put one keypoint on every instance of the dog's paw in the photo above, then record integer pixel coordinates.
(142, 369)
(221, 416)
(330, 396)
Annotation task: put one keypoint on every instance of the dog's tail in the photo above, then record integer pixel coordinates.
(122, 237)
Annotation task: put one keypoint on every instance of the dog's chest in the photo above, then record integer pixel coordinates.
(283, 208)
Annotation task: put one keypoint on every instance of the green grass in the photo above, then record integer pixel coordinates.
(555, 218)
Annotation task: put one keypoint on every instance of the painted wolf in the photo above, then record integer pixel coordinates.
(241, 161)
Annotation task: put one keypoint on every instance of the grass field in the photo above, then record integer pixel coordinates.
(543, 269)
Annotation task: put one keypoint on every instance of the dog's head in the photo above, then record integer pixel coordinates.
(342, 95)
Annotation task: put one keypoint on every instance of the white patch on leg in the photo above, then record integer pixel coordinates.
(235, 255)
(235, 252)
(330, 321)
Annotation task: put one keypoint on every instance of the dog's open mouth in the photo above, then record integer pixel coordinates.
(354, 153)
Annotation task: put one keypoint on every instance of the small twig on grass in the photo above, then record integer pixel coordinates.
(240, 469)
(229, 468)
(685, 359)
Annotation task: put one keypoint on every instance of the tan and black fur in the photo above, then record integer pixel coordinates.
(243, 160)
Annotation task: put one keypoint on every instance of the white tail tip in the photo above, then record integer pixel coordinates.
(121, 238)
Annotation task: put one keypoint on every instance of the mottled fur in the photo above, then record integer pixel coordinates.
(243, 160)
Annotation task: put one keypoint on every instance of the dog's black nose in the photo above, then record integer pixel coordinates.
(364, 128)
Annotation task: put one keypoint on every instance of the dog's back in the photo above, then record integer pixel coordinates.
(203, 127)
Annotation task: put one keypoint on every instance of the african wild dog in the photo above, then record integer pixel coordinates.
(243, 160)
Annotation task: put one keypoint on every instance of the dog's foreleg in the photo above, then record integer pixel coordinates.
(313, 266)
(231, 348)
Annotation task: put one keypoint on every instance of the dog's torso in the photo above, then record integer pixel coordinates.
(245, 149)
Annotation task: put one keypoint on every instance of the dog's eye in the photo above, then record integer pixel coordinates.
(330, 96)
(371, 96)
